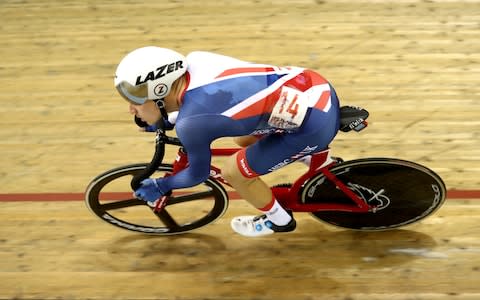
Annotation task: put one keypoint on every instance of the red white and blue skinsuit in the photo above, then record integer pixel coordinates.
(226, 97)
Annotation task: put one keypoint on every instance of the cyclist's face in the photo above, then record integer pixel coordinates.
(148, 111)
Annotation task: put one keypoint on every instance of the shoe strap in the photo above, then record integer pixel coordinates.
(260, 217)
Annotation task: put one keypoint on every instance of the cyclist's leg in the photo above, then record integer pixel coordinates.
(246, 140)
(251, 188)
(275, 151)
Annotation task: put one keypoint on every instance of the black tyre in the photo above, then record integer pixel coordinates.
(405, 193)
(109, 196)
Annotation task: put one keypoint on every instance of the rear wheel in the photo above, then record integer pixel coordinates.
(404, 193)
(110, 198)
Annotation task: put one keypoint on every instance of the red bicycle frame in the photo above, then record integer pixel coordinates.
(289, 196)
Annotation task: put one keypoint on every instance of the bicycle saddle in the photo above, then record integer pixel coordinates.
(353, 117)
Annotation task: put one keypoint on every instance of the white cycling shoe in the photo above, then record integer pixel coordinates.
(253, 226)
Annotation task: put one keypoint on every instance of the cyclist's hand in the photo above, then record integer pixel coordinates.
(149, 128)
(149, 191)
(168, 124)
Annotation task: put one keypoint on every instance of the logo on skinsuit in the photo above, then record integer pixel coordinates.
(306, 151)
(244, 166)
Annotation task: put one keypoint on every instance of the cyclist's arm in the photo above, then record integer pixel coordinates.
(196, 134)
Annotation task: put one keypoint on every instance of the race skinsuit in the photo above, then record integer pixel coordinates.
(294, 110)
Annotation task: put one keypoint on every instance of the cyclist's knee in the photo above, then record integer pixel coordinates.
(230, 170)
(234, 173)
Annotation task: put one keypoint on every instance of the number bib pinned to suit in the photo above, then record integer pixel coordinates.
(290, 109)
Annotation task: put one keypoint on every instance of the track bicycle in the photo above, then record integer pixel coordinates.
(367, 194)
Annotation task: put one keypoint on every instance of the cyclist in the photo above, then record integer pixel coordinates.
(279, 115)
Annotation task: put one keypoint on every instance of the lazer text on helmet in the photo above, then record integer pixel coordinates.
(160, 72)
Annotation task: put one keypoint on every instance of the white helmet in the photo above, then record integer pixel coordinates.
(148, 73)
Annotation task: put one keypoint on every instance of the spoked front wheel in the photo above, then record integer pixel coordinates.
(109, 197)
(403, 193)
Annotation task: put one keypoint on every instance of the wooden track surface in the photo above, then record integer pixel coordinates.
(57, 250)
(414, 65)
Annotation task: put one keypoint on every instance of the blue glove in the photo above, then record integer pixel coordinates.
(150, 128)
(149, 191)
(167, 125)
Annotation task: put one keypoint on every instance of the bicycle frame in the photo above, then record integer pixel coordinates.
(289, 196)
(327, 189)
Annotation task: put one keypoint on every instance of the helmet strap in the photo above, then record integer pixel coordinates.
(161, 105)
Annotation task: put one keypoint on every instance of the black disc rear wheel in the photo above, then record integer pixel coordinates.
(404, 193)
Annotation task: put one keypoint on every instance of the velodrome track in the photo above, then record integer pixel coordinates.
(413, 64)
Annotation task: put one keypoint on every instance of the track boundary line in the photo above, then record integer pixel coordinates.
(47, 197)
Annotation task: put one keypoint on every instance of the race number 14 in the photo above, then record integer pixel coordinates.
(289, 111)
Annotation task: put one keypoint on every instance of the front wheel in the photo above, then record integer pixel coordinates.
(403, 192)
(110, 198)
